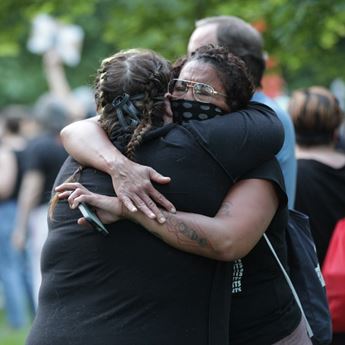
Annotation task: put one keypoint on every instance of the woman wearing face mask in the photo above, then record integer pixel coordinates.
(234, 232)
(131, 287)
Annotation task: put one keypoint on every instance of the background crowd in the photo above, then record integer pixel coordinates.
(31, 152)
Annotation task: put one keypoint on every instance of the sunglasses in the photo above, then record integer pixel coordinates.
(202, 92)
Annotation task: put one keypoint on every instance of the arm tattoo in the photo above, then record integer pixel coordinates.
(183, 231)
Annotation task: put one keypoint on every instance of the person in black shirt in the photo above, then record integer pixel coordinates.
(320, 191)
(227, 235)
(14, 269)
(140, 290)
(44, 157)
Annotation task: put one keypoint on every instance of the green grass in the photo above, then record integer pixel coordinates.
(9, 336)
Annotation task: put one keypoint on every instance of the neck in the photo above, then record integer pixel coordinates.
(325, 154)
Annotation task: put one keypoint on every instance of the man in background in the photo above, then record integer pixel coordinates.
(244, 41)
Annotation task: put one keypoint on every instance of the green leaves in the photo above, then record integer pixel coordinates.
(307, 37)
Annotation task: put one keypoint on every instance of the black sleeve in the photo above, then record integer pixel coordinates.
(271, 171)
(242, 140)
(34, 156)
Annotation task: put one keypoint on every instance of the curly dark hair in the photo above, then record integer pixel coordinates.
(134, 72)
(231, 70)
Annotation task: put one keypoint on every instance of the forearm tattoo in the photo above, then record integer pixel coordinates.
(185, 233)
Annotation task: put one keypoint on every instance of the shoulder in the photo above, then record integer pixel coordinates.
(281, 113)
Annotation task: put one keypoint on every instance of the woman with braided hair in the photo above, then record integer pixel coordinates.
(172, 288)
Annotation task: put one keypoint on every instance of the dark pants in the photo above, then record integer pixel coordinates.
(338, 339)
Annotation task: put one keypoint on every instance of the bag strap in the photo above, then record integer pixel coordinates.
(288, 280)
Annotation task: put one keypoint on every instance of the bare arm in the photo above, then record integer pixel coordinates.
(30, 191)
(231, 234)
(8, 173)
(89, 145)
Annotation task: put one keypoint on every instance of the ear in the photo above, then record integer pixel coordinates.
(168, 111)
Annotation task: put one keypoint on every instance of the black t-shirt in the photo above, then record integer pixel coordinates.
(45, 154)
(20, 162)
(320, 193)
(263, 309)
(131, 288)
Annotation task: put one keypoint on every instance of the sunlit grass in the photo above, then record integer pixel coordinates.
(9, 336)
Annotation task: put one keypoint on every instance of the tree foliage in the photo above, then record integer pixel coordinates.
(307, 37)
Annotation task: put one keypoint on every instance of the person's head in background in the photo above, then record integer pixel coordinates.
(316, 116)
(13, 116)
(233, 33)
(16, 121)
(51, 114)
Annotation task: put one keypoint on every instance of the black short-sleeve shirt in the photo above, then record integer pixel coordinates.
(45, 154)
(130, 287)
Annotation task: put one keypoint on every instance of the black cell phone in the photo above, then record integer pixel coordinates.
(92, 218)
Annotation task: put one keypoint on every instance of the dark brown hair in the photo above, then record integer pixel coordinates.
(133, 72)
(316, 116)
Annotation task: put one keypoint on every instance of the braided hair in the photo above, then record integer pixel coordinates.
(231, 70)
(143, 75)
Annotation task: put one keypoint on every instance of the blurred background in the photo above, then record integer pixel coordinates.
(54, 48)
(305, 39)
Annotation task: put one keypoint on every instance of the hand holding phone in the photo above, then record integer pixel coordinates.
(92, 218)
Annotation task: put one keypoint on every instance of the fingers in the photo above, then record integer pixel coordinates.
(126, 201)
(83, 221)
(162, 200)
(145, 205)
(75, 193)
(154, 209)
(68, 186)
(74, 198)
(157, 177)
(65, 194)
(145, 201)
(77, 197)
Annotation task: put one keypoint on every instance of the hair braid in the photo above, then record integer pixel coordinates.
(145, 123)
(137, 73)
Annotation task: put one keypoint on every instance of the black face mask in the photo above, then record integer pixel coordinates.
(193, 110)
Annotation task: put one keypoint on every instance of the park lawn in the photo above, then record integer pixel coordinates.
(9, 336)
